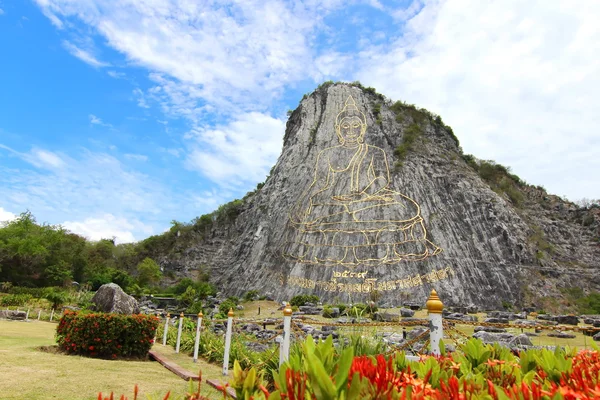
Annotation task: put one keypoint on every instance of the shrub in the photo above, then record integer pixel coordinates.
(302, 299)
(251, 295)
(106, 335)
(13, 300)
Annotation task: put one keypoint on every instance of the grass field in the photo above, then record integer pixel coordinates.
(29, 373)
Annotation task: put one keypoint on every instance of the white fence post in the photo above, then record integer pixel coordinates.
(227, 342)
(39, 314)
(27, 315)
(166, 329)
(181, 317)
(436, 332)
(279, 341)
(287, 327)
(197, 342)
(52, 315)
(156, 331)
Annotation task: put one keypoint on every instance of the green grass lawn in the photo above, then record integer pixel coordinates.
(26, 372)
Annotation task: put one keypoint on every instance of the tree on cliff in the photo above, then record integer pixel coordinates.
(148, 272)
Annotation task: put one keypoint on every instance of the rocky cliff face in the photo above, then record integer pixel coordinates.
(370, 195)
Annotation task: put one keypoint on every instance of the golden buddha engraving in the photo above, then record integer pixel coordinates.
(349, 215)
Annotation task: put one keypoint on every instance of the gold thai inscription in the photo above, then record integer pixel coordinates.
(369, 285)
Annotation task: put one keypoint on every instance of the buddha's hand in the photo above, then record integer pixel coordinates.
(349, 197)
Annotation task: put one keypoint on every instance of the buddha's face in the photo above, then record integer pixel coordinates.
(351, 129)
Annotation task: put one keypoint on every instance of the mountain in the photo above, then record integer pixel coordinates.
(374, 195)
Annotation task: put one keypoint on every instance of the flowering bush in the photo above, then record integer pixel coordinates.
(106, 335)
(476, 371)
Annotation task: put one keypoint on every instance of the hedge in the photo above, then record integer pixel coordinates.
(106, 335)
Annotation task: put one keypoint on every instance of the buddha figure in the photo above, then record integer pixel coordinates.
(349, 215)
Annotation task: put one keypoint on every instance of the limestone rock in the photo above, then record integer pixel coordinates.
(416, 332)
(110, 298)
(407, 313)
(386, 316)
(566, 319)
(13, 314)
(311, 310)
(562, 335)
(491, 329)
(474, 243)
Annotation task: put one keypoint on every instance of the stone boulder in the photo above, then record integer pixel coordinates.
(406, 312)
(461, 317)
(496, 320)
(491, 329)
(596, 337)
(413, 334)
(504, 339)
(334, 312)
(521, 340)
(562, 335)
(110, 298)
(566, 319)
(13, 314)
(386, 316)
(311, 310)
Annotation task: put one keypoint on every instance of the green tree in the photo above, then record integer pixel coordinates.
(148, 272)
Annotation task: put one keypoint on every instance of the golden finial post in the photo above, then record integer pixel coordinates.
(436, 332)
(434, 304)
(284, 354)
(166, 329)
(230, 313)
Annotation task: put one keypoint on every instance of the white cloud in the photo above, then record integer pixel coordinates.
(107, 226)
(115, 74)
(1, 11)
(239, 153)
(84, 55)
(141, 98)
(222, 51)
(136, 157)
(517, 81)
(6, 216)
(94, 120)
(39, 157)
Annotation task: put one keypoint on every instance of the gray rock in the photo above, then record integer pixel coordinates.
(405, 312)
(491, 329)
(13, 314)
(525, 323)
(496, 320)
(521, 340)
(597, 337)
(386, 316)
(566, 319)
(333, 313)
(462, 317)
(394, 339)
(110, 298)
(562, 335)
(311, 310)
(488, 337)
(412, 334)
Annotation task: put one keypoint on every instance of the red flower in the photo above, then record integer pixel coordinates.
(91, 348)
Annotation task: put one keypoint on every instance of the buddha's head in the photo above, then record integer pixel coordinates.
(350, 124)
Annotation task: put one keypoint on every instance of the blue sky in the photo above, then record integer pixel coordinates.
(118, 117)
